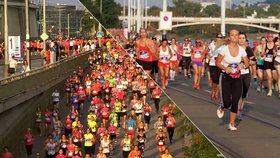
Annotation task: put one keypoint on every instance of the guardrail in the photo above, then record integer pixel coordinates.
(14, 87)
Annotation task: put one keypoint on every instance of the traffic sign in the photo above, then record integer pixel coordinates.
(99, 34)
(44, 36)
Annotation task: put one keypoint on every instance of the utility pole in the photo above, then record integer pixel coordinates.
(146, 13)
(68, 26)
(164, 9)
(138, 15)
(129, 16)
(27, 32)
(6, 32)
(44, 23)
(99, 26)
(223, 17)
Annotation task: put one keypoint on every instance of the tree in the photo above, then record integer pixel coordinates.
(154, 11)
(110, 12)
(212, 10)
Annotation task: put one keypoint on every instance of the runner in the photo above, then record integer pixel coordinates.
(156, 97)
(268, 62)
(38, 121)
(197, 57)
(277, 63)
(164, 62)
(214, 49)
(166, 154)
(174, 60)
(135, 153)
(186, 57)
(89, 143)
(170, 125)
(259, 55)
(28, 141)
(229, 61)
(145, 49)
(245, 74)
(126, 145)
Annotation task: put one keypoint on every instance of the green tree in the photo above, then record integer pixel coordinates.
(110, 12)
(212, 10)
(154, 11)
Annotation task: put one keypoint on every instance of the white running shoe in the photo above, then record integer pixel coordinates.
(231, 127)
(220, 112)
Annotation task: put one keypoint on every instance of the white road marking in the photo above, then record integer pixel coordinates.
(184, 84)
(249, 102)
(207, 91)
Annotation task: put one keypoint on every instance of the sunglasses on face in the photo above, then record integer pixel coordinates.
(219, 37)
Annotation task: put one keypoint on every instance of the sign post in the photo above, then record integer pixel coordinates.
(165, 22)
(15, 48)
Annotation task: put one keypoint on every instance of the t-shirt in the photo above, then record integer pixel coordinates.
(131, 124)
(229, 59)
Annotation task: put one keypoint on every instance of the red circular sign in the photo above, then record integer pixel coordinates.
(165, 18)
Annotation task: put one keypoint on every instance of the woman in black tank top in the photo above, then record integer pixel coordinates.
(268, 62)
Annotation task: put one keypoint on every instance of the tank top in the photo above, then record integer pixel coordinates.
(269, 54)
(186, 50)
(144, 53)
(198, 54)
(126, 146)
(277, 58)
(174, 53)
(105, 146)
(164, 55)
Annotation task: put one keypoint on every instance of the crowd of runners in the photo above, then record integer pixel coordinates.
(110, 110)
(109, 104)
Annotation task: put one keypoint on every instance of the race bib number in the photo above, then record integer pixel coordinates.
(268, 58)
(160, 142)
(130, 128)
(197, 54)
(147, 114)
(144, 55)
(277, 59)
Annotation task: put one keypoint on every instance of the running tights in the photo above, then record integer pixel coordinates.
(231, 89)
(246, 80)
(170, 131)
(156, 101)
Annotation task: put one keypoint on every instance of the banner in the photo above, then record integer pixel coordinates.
(15, 48)
(165, 22)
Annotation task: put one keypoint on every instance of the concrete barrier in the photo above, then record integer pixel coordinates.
(20, 88)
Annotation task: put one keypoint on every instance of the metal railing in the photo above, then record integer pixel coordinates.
(17, 85)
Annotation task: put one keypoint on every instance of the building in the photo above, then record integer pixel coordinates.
(58, 16)
(16, 19)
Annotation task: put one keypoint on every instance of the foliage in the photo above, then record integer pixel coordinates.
(200, 147)
(110, 12)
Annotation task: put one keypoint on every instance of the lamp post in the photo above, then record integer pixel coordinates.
(44, 23)
(164, 8)
(6, 32)
(223, 17)
(27, 32)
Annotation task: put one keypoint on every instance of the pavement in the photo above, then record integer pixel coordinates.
(258, 133)
(36, 62)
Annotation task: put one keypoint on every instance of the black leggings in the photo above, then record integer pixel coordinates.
(125, 154)
(156, 101)
(231, 90)
(154, 67)
(186, 62)
(246, 80)
(147, 119)
(170, 131)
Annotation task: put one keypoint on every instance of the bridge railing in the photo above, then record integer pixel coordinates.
(14, 87)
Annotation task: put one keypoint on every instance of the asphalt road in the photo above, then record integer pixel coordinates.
(258, 134)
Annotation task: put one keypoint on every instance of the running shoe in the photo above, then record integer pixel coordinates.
(231, 127)
(269, 94)
(258, 89)
(220, 112)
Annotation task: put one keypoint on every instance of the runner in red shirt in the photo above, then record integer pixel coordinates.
(28, 141)
(156, 97)
(170, 124)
